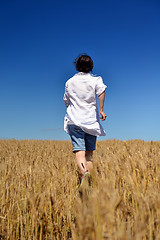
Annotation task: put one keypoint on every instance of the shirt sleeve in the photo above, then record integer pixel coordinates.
(100, 86)
(66, 98)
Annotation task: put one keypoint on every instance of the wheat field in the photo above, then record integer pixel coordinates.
(39, 191)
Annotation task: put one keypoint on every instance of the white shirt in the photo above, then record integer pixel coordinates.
(80, 100)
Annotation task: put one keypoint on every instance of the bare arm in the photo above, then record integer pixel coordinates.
(101, 98)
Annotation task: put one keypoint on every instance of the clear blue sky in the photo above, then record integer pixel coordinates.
(38, 44)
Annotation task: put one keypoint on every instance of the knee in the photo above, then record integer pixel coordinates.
(89, 155)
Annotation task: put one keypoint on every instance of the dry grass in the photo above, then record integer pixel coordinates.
(39, 196)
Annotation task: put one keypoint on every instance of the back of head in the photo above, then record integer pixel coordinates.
(84, 63)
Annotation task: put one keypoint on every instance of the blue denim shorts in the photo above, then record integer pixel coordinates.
(81, 141)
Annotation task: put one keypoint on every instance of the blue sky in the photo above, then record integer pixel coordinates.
(38, 44)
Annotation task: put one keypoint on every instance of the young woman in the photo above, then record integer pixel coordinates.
(81, 121)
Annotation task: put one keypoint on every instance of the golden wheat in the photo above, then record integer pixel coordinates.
(39, 197)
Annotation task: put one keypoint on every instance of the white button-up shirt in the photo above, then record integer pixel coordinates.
(80, 99)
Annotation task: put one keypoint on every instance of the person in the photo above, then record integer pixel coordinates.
(81, 121)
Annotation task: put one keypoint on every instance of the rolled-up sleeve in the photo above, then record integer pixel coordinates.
(65, 97)
(100, 86)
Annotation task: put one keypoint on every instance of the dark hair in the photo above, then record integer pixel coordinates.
(83, 63)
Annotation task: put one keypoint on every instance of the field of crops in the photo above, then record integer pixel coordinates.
(39, 191)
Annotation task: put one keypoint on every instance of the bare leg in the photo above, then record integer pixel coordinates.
(81, 161)
(89, 163)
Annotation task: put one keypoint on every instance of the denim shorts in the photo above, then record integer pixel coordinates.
(81, 141)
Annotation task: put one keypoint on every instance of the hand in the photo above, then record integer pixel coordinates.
(103, 116)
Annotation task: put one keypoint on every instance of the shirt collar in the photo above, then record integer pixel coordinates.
(82, 73)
